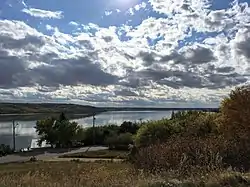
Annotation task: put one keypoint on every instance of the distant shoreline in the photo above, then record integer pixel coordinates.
(36, 109)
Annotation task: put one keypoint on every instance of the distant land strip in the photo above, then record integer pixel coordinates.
(11, 109)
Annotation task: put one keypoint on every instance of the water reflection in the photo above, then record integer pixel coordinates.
(26, 132)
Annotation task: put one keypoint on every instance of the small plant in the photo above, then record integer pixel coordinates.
(5, 150)
(33, 159)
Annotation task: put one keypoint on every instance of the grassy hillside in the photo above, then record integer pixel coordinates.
(31, 108)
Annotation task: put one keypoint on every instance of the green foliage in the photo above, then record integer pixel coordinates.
(196, 123)
(155, 131)
(129, 127)
(196, 139)
(101, 134)
(120, 142)
(59, 133)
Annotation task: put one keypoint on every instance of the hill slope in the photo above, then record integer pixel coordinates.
(33, 108)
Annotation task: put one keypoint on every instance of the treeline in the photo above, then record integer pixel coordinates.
(61, 132)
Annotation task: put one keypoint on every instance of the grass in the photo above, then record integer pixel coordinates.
(105, 154)
(76, 174)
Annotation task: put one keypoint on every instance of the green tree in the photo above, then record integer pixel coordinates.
(128, 126)
(58, 132)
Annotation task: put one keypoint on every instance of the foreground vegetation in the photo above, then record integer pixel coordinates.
(77, 174)
(189, 149)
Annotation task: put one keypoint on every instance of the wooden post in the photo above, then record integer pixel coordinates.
(94, 129)
(14, 135)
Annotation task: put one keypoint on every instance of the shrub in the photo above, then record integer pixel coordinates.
(33, 159)
(235, 110)
(180, 153)
(235, 127)
(120, 142)
(5, 150)
(101, 134)
(201, 125)
(196, 123)
(129, 127)
(155, 132)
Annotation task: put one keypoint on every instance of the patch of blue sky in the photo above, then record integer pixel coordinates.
(224, 4)
(153, 41)
(197, 37)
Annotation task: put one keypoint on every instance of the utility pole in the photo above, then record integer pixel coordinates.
(94, 129)
(14, 134)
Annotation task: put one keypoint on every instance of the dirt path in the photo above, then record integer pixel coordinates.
(56, 159)
(45, 155)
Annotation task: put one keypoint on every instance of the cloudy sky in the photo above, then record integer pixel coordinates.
(123, 52)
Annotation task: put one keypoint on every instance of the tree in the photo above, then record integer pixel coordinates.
(46, 131)
(129, 127)
(59, 133)
(62, 117)
(235, 126)
(235, 110)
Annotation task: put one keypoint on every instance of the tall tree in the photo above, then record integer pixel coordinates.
(59, 133)
(236, 113)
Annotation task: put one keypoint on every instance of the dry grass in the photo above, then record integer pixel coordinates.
(66, 174)
(74, 174)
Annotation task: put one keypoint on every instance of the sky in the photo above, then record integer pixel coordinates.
(165, 53)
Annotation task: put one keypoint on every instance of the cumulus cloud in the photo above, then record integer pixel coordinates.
(191, 54)
(136, 8)
(73, 23)
(39, 13)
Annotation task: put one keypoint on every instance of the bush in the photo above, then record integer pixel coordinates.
(120, 142)
(235, 127)
(155, 132)
(129, 127)
(5, 150)
(188, 140)
(180, 153)
(101, 134)
(235, 111)
(110, 133)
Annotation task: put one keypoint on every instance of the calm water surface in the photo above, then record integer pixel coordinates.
(26, 132)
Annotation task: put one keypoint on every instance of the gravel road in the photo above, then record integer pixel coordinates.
(46, 155)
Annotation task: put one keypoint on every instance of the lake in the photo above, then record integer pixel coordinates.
(26, 132)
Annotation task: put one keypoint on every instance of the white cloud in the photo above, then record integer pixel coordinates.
(43, 13)
(107, 13)
(136, 8)
(178, 67)
(24, 4)
(73, 23)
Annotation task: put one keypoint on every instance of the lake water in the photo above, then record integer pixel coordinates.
(26, 132)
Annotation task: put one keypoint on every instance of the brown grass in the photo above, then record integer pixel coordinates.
(180, 153)
(76, 174)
